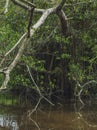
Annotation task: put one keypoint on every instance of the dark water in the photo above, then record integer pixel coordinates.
(60, 117)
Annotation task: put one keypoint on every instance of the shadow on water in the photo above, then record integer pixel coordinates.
(67, 116)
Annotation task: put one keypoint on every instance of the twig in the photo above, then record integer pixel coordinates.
(82, 88)
(37, 88)
(79, 3)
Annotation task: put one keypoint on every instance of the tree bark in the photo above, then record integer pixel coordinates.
(24, 40)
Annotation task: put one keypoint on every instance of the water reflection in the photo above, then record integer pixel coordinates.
(66, 117)
(8, 122)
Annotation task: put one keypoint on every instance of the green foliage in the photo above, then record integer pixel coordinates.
(55, 60)
(34, 63)
(20, 79)
(76, 72)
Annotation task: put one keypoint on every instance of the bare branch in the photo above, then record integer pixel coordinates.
(6, 6)
(13, 64)
(37, 88)
(24, 40)
(24, 44)
(40, 94)
(13, 48)
(82, 88)
(79, 3)
(21, 4)
(39, 10)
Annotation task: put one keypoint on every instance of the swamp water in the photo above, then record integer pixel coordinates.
(69, 116)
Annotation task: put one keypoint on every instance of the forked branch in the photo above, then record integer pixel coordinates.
(25, 39)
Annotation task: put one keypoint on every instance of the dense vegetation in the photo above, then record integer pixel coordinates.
(58, 63)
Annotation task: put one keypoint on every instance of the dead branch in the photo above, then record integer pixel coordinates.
(24, 40)
(13, 48)
(41, 96)
(36, 10)
(37, 88)
(24, 44)
(79, 3)
(21, 4)
(82, 88)
(6, 6)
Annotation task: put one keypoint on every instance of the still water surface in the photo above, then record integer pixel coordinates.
(67, 117)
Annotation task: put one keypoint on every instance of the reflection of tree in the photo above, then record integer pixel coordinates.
(88, 118)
